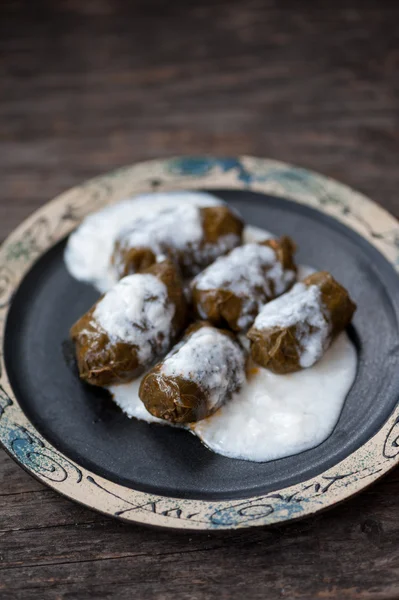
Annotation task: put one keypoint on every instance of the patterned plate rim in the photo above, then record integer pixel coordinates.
(57, 218)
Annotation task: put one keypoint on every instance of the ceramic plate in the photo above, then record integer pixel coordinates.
(74, 439)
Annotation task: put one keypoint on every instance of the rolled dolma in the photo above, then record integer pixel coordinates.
(130, 326)
(190, 235)
(196, 377)
(232, 290)
(293, 332)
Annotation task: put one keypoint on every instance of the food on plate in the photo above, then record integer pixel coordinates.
(294, 331)
(130, 326)
(196, 377)
(238, 379)
(89, 248)
(190, 235)
(270, 416)
(233, 289)
(273, 416)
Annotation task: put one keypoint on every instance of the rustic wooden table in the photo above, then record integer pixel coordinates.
(89, 86)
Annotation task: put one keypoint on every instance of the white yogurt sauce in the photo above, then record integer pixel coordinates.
(255, 234)
(126, 396)
(137, 311)
(89, 248)
(273, 415)
(278, 415)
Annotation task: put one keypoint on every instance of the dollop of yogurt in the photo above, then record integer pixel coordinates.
(272, 416)
(279, 415)
(89, 248)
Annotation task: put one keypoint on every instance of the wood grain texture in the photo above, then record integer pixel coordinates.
(89, 86)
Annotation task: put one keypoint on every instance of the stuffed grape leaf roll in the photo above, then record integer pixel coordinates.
(196, 377)
(232, 290)
(130, 326)
(192, 236)
(293, 331)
